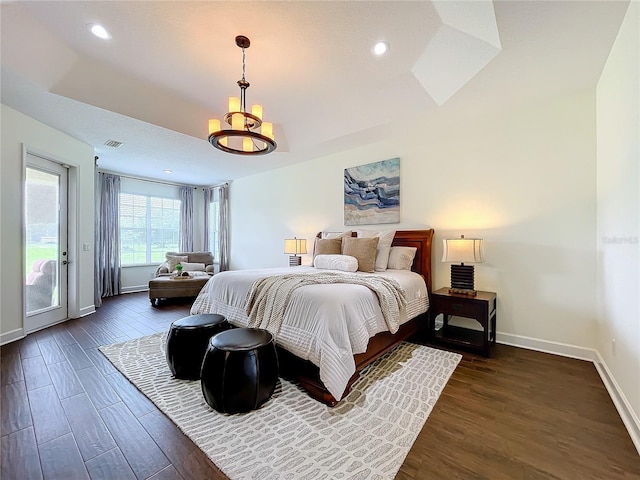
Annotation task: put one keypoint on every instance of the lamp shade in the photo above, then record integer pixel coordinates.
(294, 246)
(462, 250)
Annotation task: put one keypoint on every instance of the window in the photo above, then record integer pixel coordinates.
(149, 228)
(214, 221)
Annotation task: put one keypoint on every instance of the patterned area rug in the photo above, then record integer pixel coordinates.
(367, 436)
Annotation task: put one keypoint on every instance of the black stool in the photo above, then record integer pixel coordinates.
(187, 343)
(239, 370)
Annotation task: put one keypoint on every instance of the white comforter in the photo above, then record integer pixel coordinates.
(325, 324)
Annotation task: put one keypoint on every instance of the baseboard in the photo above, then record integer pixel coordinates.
(629, 418)
(12, 336)
(87, 310)
(556, 348)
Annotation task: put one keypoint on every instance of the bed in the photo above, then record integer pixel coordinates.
(330, 332)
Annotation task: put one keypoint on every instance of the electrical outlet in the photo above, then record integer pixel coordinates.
(86, 247)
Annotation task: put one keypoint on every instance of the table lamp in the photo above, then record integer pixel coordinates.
(462, 250)
(294, 246)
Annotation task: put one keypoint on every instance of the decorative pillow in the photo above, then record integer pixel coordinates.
(192, 267)
(336, 262)
(384, 246)
(173, 260)
(401, 258)
(364, 249)
(348, 233)
(327, 246)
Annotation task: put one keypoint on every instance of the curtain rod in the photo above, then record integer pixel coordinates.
(143, 179)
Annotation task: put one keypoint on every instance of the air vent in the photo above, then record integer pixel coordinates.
(113, 143)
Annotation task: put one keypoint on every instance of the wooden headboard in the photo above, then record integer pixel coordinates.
(421, 239)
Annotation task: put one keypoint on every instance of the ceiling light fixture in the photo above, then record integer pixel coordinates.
(242, 138)
(99, 31)
(380, 48)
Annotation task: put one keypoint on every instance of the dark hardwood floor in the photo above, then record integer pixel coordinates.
(67, 413)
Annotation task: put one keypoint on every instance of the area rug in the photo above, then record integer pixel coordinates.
(367, 436)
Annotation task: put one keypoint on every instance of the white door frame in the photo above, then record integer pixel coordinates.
(57, 313)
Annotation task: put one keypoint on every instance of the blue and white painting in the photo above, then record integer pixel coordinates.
(372, 193)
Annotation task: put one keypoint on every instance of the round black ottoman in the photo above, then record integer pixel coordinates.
(188, 340)
(239, 370)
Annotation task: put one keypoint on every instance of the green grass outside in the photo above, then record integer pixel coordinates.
(36, 251)
(40, 252)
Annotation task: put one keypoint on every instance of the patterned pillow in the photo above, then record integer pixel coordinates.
(401, 258)
(364, 249)
(173, 260)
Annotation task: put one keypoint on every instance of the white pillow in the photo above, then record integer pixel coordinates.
(336, 234)
(384, 246)
(401, 258)
(192, 267)
(173, 260)
(346, 263)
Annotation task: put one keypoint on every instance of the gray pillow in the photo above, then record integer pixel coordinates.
(364, 249)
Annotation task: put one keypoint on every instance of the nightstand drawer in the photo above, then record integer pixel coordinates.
(453, 306)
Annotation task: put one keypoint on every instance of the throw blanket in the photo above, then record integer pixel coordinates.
(268, 297)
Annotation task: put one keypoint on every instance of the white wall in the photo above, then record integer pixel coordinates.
(618, 214)
(522, 180)
(18, 130)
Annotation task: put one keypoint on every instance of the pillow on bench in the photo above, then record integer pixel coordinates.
(205, 258)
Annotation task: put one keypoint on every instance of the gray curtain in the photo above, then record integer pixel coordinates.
(185, 240)
(223, 226)
(107, 267)
(207, 211)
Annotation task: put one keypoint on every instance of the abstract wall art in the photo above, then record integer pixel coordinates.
(372, 193)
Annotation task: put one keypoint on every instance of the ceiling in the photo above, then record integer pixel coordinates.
(171, 65)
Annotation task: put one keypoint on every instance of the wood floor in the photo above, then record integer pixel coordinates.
(68, 414)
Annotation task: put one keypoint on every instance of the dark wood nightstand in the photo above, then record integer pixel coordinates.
(481, 308)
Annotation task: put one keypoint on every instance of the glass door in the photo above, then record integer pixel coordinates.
(45, 243)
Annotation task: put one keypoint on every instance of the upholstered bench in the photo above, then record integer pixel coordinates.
(188, 340)
(170, 287)
(239, 370)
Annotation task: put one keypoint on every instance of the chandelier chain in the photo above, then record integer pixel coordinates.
(243, 66)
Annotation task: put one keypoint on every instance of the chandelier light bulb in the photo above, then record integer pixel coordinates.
(234, 104)
(257, 111)
(214, 126)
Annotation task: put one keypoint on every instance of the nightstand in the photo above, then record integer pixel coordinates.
(481, 308)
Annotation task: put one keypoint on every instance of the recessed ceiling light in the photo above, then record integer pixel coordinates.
(166, 170)
(380, 48)
(99, 31)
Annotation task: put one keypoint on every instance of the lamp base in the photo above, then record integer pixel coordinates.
(295, 261)
(462, 279)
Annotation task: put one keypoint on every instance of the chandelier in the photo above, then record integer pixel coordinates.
(243, 137)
